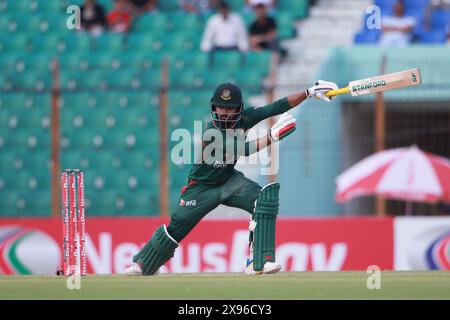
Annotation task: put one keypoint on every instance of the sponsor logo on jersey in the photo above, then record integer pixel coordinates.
(219, 164)
(190, 203)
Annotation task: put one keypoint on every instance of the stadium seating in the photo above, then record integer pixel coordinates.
(435, 33)
(109, 102)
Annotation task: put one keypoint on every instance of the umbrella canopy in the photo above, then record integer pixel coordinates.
(405, 173)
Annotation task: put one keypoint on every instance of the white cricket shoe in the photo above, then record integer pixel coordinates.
(269, 267)
(134, 270)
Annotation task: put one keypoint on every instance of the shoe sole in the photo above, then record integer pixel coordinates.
(272, 271)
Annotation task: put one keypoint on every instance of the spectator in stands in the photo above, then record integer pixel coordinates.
(93, 18)
(269, 4)
(397, 29)
(202, 7)
(119, 19)
(448, 34)
(138, 7)
(432, 6)
(225, 31)
(263, 32)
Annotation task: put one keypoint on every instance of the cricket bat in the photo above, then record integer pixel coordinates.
(381, 83)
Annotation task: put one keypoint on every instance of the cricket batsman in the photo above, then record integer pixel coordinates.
(214, 181)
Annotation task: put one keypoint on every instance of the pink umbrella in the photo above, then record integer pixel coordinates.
(405, 173)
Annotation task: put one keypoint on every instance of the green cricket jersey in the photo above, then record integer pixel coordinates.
(217, 166)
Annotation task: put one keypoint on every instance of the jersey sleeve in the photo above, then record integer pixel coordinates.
(253, 115)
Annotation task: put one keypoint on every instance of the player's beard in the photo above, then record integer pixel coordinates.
(227, 120)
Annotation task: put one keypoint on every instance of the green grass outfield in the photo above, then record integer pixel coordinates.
(285, 285)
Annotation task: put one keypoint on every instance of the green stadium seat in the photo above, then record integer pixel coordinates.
(141, 203)
(111, 100)
(86, 139)
(36, 118)
(122, 79)
(133, 180)
(7, 164)
(236, 5)
(188, 79)
(181, 21)
(97, 60)
(212, 78)
(160, 42)
(13, 44)
(103, 161)
(70, 61)
(75, 43)
(41, 100)
(50, 7)
(16, 6)
(4, 83)
(82, 102)
(31, 81)
(8, 202)
(66, 119)
(258, 60)
(68, 80)
(70, 158)
(46, 43)
(146, 101)
(14, 100)
(37, 162)
(109, 42)
(136, 117)
(56, 24)
(121, 139)
(101, 203)
(92, 80)
(154, 60)
(141, 160)
(33, 139)
(182, 43)
(36, 62)
(151, 79)
(180, 99)
(4, 118)
(36, 24)
(201, 98)
(225, 60)
(128, 60)
(299, 7)
(249, 18)
(285, 24)
(8, 63)
(152, 23)
(22, 180)
(140, 43)
(251, 81)
(169, 5)
(198, 60)
(37, 203)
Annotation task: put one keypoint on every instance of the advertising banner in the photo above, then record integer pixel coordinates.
(34, 245)
(422, 243)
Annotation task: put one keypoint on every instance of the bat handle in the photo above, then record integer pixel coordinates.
(337, 91)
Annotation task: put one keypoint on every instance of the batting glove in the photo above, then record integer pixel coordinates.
(283, 127)
(320, 88)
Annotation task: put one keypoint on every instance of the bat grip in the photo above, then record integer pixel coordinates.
(337, 91)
